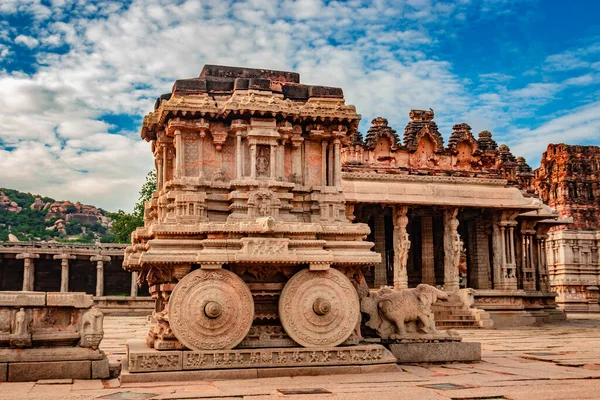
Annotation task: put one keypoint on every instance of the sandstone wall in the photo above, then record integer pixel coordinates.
(568, 180)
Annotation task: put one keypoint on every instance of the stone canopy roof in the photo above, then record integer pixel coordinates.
(223, 80)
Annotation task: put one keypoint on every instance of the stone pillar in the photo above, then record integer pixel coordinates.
(178, 154)
(64, 272)
(159, 171)
(452, 250)
(401, 247)
(201, 137)
(542, 265)
(498, 255)
(297, 159)
(504, 256)
(379, 235)
(273, 163)
(427, 251)
(134, 284)
(253, 161)
(281, 160)
(527, 263)
(330, 169)
(337, 164)
(165, 165)
(28, 270)
(323, 163)
(100, 260)
(238, 155)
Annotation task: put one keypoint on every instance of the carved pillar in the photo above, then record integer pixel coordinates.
(452, 250)
(100, 260)
(427, 251)
(165, 165)
(273, 162)
(238, 155)
(159, 170)
(498, 255)
(64, 271)
(379, 235)
(324, 163)
(253, 161)
(28, 270)
(528, 264)
(297, 159)
(330, 165)
(401, 248)
(504, 252)
(178, 154)
(201, 137)
(337, 164)
(542, 265)
(134, 284)
(281, 159)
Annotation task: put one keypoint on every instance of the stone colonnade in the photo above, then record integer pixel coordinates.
(511, 267)
(31, 252)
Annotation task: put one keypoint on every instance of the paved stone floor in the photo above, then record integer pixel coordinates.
(555, 361)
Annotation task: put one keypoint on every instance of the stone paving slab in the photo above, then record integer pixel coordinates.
(554, 361)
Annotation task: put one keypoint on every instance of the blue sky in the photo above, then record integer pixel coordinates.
(77, 76)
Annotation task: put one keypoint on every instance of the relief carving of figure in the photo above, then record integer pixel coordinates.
(393, 312)
(91, 330)
(263, 161)
(21, 337)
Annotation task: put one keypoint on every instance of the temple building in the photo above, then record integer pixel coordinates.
(455, 216)
(568, 180)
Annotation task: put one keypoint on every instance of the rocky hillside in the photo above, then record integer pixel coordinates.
(24, 216)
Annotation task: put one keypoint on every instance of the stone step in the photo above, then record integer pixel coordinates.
(457, 324)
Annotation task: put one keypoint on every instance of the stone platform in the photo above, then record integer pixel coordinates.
(440, 352)
(52, 363)
(148, 365)
(50, 336)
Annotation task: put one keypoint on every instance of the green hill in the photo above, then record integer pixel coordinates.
(25, 216)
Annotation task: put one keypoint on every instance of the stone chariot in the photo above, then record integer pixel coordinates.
(247, 241)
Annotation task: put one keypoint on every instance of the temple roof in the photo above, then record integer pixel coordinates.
(223, 80)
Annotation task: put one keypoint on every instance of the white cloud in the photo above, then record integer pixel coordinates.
(578, 126)
(28, 41)
(121, 58)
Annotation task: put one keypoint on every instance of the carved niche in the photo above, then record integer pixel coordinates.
(263, 203)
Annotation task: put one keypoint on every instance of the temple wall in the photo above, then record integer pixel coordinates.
(574, 269)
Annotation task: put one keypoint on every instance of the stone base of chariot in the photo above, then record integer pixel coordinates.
(441, 347)
(144, 364)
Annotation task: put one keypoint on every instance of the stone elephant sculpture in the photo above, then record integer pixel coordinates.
(391, 311)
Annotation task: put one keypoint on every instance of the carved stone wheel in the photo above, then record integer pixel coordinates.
(319, 308)
(211, 310)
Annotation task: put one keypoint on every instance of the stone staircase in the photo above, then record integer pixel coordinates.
(454, 314)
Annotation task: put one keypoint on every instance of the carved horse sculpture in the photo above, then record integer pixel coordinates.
(392, 310)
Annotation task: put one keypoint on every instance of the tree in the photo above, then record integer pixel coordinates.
(125, 223)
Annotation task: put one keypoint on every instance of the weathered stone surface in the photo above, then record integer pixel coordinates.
(62, 353)
(3, 372)
(142, 359)
(436, 352)
(77, 300)
(33, 371)
(567, 181)
(22, 299)
(100, 369)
